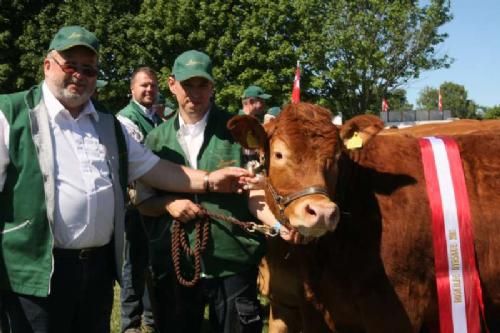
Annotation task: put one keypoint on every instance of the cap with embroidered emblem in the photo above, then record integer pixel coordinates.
(71, 36)
(192, 64)
(255, 91)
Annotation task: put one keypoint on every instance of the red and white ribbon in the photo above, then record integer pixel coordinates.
(458, 286)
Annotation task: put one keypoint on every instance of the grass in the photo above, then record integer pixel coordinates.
(115, 315)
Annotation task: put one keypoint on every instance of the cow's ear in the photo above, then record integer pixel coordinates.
(359, 130)
(248, 131)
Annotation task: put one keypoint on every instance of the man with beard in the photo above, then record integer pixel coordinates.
(64, 167)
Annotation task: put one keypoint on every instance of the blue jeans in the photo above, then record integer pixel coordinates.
(134, 297)
(80, 300)
(232, 301)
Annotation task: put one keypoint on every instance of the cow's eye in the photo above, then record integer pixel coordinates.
(278, 155)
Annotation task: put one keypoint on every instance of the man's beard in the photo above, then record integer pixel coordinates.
(72, 99)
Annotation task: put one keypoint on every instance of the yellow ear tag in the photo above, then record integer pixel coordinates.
(355, 142)
(252, 140)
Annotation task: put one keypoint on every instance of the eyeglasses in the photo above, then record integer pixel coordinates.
(71, 69)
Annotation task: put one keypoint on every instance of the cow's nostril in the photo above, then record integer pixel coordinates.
(310, 211)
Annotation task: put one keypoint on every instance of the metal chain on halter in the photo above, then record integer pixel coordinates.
(202, 234)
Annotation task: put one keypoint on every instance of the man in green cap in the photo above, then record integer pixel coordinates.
(272, 113)
(254, 102)
(64, 167)
(197, 136)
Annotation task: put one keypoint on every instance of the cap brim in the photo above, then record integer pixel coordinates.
(264, 96)
(67, 47)
(191, 74)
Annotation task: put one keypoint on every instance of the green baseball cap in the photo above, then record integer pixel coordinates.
(274, 111)
(192, 64)
(71, 36)
(255, 91)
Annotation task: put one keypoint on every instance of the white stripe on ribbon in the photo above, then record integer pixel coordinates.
(452, 232)
(460, 299)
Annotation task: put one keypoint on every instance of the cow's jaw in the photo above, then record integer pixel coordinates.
(313, 216)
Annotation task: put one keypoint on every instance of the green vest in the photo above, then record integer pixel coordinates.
(27, 198)
(134, 112)
(230, 249)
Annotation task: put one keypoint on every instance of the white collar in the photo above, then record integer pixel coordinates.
(196, 128)
(147, 111)
(54, 107)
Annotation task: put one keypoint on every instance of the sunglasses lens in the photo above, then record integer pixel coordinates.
(71, 69)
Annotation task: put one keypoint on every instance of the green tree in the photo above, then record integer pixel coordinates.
(428, 99)
(13, 17)
(397, 100)
(493, 112)
(249, 42)
(453, 96)
(368, 48)
(352, 52)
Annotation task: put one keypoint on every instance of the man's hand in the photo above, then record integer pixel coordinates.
(184, 210)
(228, 180)
(254, 182)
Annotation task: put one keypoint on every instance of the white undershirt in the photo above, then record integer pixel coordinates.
(84, 199)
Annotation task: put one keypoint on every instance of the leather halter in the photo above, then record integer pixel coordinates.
(283, 201)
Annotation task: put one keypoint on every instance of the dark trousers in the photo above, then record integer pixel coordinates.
(4, 327)
(80, 300)
(134, 297)
(232, 301)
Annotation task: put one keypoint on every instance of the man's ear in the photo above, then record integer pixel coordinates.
(248, 132)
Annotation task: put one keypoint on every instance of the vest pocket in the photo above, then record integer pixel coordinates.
(16, 227)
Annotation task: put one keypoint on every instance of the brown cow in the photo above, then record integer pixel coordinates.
(461, 126)
(375, 271)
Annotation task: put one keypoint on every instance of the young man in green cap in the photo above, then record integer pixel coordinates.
(198, 137)
(64, 167)
(254, 102)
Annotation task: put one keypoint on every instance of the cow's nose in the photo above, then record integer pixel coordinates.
(323, 214)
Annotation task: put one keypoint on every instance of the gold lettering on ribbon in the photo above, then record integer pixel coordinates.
(452, 235)
(454, 257)
(456, 287)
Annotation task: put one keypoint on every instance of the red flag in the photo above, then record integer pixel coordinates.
(440, 101)
(296, 85)
(385, 105)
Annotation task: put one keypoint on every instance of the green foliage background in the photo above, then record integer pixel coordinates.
(352, 52)
(454, 98)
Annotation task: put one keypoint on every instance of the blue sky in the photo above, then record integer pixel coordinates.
(474, 44)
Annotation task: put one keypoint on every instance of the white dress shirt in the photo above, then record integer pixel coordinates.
(84, 198)
(190, 137)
